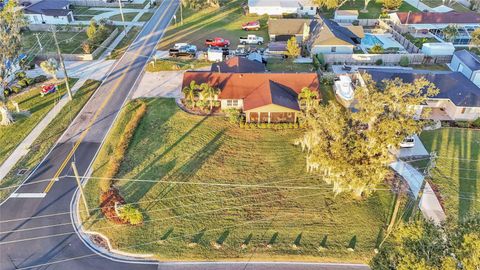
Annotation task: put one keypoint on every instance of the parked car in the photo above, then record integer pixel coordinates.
(183, 49)
(251, 39)
(48, 89)
(408, 142)
(251, 26)
(217, 42)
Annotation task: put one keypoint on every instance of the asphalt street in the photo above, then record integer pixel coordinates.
(36, 233)
(36, 230)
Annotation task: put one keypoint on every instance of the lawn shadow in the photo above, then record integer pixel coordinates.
(185, 172)
(223, 237)
(197, 237)
(323, 243)
(353, 243)
(248, 239)
(167, 233)
(298, 240)
(273, 240)
(467, 176)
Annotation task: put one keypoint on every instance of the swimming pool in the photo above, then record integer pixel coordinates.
(370, 40)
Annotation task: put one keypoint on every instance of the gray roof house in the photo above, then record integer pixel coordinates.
(468, 64)
(49, 12)
(329, 37)
(458, 97)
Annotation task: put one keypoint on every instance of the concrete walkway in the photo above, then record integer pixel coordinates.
(419, 5)
(24, 147)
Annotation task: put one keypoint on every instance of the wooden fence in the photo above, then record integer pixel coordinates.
(407, 44)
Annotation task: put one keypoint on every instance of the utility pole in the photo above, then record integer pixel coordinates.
(39, 43)
(181, 13)
(123, 18)
(62, 64)
(80, 187)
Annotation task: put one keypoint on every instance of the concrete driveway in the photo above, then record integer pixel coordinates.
(160, 84)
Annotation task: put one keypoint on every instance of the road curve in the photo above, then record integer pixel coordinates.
(37, 233)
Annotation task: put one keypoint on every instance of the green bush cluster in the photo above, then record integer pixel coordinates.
(270, 125)
(404, 61)
(130, 214)
(379, 62)
(96, 33)
(22, 83)
(233, 115)
(462, 124)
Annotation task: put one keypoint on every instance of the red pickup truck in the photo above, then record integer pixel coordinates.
(217, 42)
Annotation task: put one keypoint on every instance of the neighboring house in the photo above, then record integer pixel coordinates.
(345, 16)
(283, 7)
(284, 29)
(328, 37)
(276, 48)
(458, 97)
(424, 23)
(49, 12)
(238, 64)
(468, 64)
(263, 97)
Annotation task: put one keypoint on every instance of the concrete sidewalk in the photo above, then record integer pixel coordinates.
(95, 69)
(24, 147)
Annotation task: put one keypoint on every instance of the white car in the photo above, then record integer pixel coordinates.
(408, 142)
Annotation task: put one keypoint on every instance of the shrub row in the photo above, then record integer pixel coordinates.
(270, 125)
(23, 83)
(462, 124)
(116, 158)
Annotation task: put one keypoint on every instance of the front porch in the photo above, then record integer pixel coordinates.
(271, 117)
(439, 114)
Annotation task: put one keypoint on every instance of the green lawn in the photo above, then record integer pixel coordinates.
(374, 9)
(69, 42)
(436, 67)
(126, 41)
(84, 13)
(456, 173)
(176, 64)
(48, 137)
(211, 23)
(145, 17)
(38, 106)
(285, 65)
(185, 156)
(127, 16)
(435, 3)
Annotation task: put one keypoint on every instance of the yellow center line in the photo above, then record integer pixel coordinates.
(97, 114)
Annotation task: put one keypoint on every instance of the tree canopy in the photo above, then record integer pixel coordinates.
(293, 50)
(425, 246)
(351, 147)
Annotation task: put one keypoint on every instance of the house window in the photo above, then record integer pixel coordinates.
(232, 102)
(460, 68)
(334, 49)
(311, 8)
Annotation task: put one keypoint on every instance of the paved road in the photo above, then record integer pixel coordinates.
(35, 226)
(29, 238)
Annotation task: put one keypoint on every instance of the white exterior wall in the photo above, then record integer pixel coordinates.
(42, 19)
(454, 112)
(476, 78)
(457, 65)
(341, 49)
(223, 104)
(278, 10)
(345, 18)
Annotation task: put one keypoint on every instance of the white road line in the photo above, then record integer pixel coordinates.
(28, 195)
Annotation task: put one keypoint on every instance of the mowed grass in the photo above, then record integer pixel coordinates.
(200, 25)
(374, 9)
(38, 106)
(456, 6)
(457, 169)
(69, 42)
(210, 186)
(176, 64)
(48, 137)
(127, 16)
(125, 43)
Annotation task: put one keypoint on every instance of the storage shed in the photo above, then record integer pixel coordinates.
(435, 49)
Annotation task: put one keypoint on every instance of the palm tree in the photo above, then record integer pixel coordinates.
(307, 98)
(209, 92)
(190, 92)
(450, 32)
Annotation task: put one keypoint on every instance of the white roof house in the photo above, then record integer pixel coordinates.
(49, 12)
(275, 7)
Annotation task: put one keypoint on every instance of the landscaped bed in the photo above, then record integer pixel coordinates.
(200, 25)
(285, 65)
(456, 173)
(49, 136)
(212, 190)
(176, 64)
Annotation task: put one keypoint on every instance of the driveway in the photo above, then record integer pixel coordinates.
(160, 84)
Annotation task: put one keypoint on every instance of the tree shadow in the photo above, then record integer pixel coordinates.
(197, 237)
(323, 243)
(353, 242)
(273, 240)
(467, 175)
(167, 233)
(248, 239)
(223, 237)
(298, 240)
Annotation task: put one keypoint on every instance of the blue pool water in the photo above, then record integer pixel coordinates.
(370, 40)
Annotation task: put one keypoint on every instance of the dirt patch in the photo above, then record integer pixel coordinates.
(99, 241)
(109, 199)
